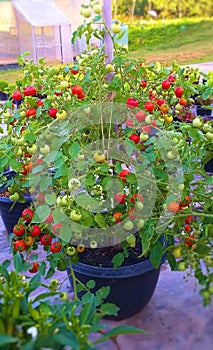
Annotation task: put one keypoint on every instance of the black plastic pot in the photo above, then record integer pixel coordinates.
(9, 212)
(131, 287)
(3, 96)
(204, 112)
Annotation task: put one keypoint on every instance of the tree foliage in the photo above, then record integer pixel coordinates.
(164, 8)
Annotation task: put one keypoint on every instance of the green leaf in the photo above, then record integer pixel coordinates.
(118, 260)
(3, 271)
(207, 93)
(156, 253)
(46, 181)
(6, 263)
(172, 261)
(66, 338)
(41, 213)
(50, 273)
(90, 284)
(18, 262)
(74, 150)
(7, 339)
(15, 165)
(42, 268)
(100, 220)
(30, 137)
(50, 198)
(124, 329)
(58, 215)
(109, 309)
(66, 232)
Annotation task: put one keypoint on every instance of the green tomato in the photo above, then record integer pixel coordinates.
(197, 123)
(86, 12)
(93, 244)
(139, 206)
(209, 136)
(75, 215)
(170, 155)
(63, 296)
(97, 8)
(181, 187)
(74, 184)
(128, 225)
(181, 266)
(109, 67)
(148, 119)
(14, 197)
(20, 141)
(64, 84)
(22, 114)
(45, 150)
(70, 251)
(177, 252)
(19, 152)
(32, 149)
(144, 137)
(97, 189)
(131, 240)
(140, 223)
(116, 28)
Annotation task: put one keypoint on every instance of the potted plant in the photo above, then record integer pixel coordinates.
(117, 178)
(47, 319)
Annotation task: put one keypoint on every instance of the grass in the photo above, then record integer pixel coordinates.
(187, 41)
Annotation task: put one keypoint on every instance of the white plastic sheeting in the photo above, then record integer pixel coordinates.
(43, 30)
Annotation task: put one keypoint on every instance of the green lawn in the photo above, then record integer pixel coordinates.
(184, 40)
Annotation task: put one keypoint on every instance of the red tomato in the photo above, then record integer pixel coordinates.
(188, 228)
(46, 239)
(173, 207)
(136, 197)
(52, 112)
(143, 83)
(35, 230)
(31, 112)
(40, 198)
(56, 228)
(17, 96)
(19, 230)
(171, 78)
(30, 91)
(117, 216)
(188, 220)
(140, 115)
(129, 123)
(165, 84)
(40, 103)
(179, 92)
(131, 102)
(55, 247)
(77, 90)
(27, 214)
(135, 138)
(19, 246)
(190, 240)
(120, 198)
(34, 268)
(123, 173)
(49, 219)
(149, 106)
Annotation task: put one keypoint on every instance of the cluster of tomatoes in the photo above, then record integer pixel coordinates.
(27, 236)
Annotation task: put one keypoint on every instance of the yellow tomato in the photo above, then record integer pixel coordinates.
(99, 158)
